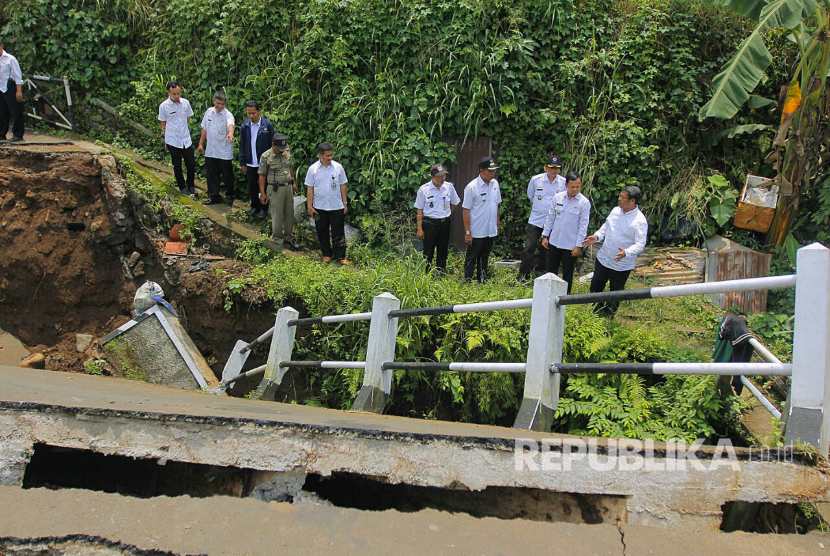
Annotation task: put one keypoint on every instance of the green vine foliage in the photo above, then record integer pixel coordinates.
(616, 405)
(613, 85)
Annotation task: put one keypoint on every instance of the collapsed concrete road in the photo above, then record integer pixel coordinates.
(55, 428)
(83, 522)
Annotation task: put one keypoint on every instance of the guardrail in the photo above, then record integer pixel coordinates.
(808, 411)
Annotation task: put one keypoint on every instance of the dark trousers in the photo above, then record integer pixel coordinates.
(529, 252)
(217, 170)
(556, 257)
(436, 238)
(11, 111)
(478, 255)
(252, 177)
(177, 155)
(331, 234)
(602, 275)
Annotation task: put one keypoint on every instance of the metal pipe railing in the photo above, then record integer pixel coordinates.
(324, 364)
(459, 366)
(504, 305)
(765, 369)
(725, 286)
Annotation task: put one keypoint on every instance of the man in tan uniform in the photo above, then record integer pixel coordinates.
(276, 171)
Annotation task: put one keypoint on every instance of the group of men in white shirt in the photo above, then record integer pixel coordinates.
(557, 226)
(327, 186)
(11, 93)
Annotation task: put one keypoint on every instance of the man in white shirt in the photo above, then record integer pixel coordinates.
(434, 202)
(217, 130)
(174, 117)
(327, 203)
(624, 233)
(540, 191)
(482, 197)
(11, 87)
(565, 227)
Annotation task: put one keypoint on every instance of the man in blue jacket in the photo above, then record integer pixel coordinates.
(254, 139)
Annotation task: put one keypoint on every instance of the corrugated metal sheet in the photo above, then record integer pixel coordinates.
(727, 260)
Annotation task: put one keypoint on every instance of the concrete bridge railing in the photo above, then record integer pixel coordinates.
(807, 415)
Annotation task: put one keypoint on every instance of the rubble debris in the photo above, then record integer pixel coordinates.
(672, 265)
(155, 347)
(175, 248)
(83, 341)
(34, 361)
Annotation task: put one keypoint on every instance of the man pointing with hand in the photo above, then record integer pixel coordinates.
(624, 233)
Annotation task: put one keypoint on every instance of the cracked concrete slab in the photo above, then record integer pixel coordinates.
(140, 420)
(224, 525)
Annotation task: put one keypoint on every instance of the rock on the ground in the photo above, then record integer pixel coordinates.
(34, 361)
(82, 342)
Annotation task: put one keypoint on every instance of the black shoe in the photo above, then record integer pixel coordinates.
(17, 139)
(262, 213)
(214, 201)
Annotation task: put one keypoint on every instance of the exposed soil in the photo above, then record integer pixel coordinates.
(60, 273)
(69, 237)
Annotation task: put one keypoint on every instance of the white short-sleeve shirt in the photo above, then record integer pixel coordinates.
(622, 230)
(216, 125)
(436, 201)
(326, 181)
(482, 200)
(540, 192)
(567, 220)
(176, 132)
(9, 70)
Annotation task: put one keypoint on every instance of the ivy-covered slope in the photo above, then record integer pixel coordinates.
(613, 85)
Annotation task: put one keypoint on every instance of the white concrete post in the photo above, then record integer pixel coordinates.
(547, 329)
(808, 414)
(282, 345)
(383, 335)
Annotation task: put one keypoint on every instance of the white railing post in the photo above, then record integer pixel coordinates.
(808, 414)
(383, 335)
(544, 348)
(282, 344)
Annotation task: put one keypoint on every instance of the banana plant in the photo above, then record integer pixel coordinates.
(804, 130)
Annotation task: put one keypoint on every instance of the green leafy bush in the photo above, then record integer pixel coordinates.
(591, 404)
(612, 85)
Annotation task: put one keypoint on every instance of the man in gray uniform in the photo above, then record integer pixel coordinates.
(276, 171)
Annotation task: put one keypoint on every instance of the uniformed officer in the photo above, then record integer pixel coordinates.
(276, 171)
(434, 201)
(540, 191)
(328, 202)
(217, 130)
(625, 232)
(565, 227)
(482, 197)
(174, 117)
